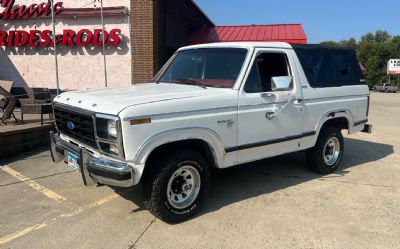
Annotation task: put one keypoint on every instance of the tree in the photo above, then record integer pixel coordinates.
(373, 51)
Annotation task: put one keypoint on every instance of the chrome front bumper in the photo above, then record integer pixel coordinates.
(93, 169)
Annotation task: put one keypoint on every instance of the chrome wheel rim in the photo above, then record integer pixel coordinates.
(331, 152)
(183, 187)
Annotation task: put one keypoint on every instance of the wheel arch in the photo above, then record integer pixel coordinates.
(203, 139)
(342, 119)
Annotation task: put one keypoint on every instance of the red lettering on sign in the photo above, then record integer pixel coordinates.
(84, 37)
(68, 38)
(58, 8)
(21, 38)
(98, 34)
(10, 38)
(33, 38)
(115, 38)
(3, 36)
(24, 12)
(46, 39)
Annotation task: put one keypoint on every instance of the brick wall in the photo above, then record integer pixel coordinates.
(158, 28)
(145, 48)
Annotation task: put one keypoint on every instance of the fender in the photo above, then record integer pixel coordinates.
(333, 114)
(180, 134)
(339, 113)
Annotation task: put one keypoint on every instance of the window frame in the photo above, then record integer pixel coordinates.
(242, 71)
(289, 64)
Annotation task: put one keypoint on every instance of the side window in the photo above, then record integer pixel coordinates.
(266, 66)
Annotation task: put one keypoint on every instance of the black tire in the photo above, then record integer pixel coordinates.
(155, 186)
(315, 156)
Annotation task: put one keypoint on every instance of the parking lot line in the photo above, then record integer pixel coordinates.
(21, 233)
(31, 229)
(47, 192)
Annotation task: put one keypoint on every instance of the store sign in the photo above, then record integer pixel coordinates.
(393, 66)
(12, 12)
(68, 38)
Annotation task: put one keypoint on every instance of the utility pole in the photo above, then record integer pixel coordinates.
(104, 46)
(55, 45)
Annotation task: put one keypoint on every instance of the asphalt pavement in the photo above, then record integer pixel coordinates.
(274, 203)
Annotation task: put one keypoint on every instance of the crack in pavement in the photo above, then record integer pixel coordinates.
(360, 183)
(36, 178)
(141, 235)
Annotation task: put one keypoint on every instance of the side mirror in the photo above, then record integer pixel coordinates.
(282, 83)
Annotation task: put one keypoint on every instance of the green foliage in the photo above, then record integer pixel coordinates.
(373, 51)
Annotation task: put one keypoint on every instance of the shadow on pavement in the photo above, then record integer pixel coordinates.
(266, 176)
(29, 155)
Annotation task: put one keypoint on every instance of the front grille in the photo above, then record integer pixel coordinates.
(82, 130)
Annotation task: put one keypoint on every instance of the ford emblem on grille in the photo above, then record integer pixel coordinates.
(70, 125)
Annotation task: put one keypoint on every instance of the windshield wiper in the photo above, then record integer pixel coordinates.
(192, 81)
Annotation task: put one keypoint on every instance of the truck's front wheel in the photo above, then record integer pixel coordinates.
(327, 154)
(177, 188)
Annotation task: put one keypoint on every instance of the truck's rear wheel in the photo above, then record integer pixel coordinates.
(327, 154)
(177, 188)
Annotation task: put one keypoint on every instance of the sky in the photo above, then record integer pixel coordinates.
(322, 20)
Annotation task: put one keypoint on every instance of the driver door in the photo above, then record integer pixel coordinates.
(270, 122)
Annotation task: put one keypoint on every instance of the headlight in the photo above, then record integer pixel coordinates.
(112, 129)
(107, 127)
(109, 135)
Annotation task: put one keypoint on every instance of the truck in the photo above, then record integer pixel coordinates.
(212, 106)
(386, 87)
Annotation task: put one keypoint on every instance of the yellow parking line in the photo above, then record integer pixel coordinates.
(31, 229)
(47, 192)
(92, 205)
(21, 233)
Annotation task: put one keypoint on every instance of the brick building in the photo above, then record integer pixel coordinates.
(139, 36)
(159, 28)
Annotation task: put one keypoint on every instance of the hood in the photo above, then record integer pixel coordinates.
(114, 100)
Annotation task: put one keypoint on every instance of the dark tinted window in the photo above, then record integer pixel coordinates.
(266, 66)
(329, 66)
(215, 67)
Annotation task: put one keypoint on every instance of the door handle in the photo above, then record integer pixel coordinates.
(298, 100)
(270, 115)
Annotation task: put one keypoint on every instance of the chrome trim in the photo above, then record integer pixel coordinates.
(184, 113)
(111, 182)
(87, 160)
(311, 100)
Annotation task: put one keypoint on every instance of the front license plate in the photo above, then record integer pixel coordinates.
(72, 161)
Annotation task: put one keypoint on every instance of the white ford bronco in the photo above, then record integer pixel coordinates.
(212, 106)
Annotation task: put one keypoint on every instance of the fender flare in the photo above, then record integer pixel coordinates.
(182, 134)
(340, 113)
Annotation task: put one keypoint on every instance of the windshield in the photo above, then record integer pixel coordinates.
(206, 67)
